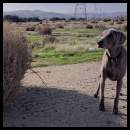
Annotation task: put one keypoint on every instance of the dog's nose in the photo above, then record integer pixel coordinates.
(100, 42)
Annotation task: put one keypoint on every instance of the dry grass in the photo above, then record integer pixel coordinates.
(111, 23)
(16, 60)
(124, 27)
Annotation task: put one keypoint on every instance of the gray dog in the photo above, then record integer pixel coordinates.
(113, 63)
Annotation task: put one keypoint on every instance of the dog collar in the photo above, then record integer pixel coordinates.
(112, 59)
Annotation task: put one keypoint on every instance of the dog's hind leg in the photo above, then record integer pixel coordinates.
(116, 101)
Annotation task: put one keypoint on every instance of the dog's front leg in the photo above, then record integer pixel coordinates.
(96, 94)
(102, 85)
(116, 101)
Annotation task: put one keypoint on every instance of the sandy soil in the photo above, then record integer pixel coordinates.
(67, 100)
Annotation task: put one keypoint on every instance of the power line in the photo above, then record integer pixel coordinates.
(82, 8)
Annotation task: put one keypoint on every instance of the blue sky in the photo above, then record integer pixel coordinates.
(67, 8)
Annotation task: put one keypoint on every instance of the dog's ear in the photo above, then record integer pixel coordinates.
(119, 37)
(122, 37)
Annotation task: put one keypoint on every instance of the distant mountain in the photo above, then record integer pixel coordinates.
(36, 13)
(46, 15)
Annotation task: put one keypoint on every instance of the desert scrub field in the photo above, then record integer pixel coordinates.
(64, 46)
(68, 42)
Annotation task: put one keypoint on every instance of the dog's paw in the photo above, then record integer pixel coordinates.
(101, 107)
(95, 95)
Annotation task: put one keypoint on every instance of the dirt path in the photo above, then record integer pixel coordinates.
(67, 100)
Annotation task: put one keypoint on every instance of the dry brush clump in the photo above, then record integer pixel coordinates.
(94, 21)
(38, 27)
(89, 26)
(16, 60)
(100, 27)
(35, 45)
(59, 25)
(49, 40)
(44, 30)
(106, 19)
(31, 28)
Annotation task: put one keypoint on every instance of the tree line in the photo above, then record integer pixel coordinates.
(14, 18)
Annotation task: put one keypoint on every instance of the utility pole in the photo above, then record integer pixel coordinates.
(82, 7)
(95, 11)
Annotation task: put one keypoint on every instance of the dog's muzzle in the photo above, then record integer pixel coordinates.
(100, 44)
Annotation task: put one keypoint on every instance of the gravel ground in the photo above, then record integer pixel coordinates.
(66, 101)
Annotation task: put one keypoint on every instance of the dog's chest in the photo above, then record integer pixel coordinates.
(113, 69)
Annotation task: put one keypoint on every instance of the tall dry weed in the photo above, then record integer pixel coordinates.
(16, 60)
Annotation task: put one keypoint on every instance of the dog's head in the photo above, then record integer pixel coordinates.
(111, 38)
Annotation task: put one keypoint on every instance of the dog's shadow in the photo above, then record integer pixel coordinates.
(52, 107)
